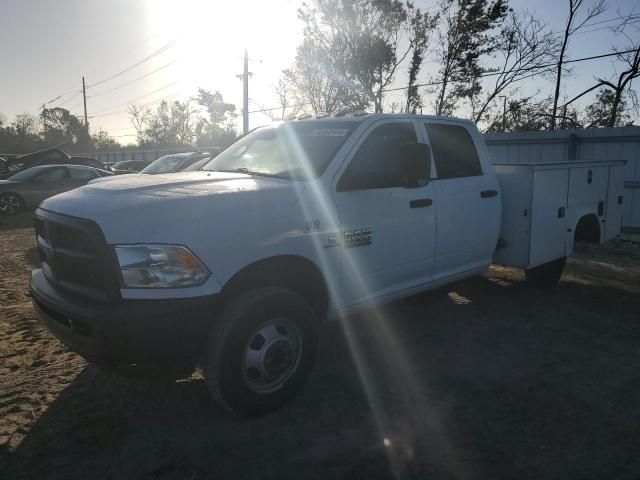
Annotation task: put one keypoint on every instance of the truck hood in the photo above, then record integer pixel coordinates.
(147, 208)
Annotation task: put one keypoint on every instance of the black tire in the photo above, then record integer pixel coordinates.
(237, 333)
(547, 274)
(11, 203)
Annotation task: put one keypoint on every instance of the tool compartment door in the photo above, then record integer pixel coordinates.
(615, 207)
(548, 215)
(588, 185)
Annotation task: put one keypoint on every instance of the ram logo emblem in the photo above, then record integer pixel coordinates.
(357, 238)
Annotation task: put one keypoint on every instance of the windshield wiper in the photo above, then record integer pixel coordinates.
(250, 172)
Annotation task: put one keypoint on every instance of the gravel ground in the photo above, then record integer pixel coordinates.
(486, 378)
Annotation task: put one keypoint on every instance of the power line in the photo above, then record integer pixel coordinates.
(526, 69)
(491, 74)
(120, 112)
(138, 63)
(138, 98)
(135, 79)
(75, 95)
(129, 52)
(58, 97)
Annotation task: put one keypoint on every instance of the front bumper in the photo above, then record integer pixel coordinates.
(130, 334)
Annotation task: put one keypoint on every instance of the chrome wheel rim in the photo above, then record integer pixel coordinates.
(271, 355)
(9, 204)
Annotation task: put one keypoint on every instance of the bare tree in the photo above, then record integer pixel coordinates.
(631, 61)
(575, 22)
(288, 101)
(525, 47)
(184, 115)
(139, 117)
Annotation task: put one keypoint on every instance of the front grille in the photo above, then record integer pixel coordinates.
(75, 256)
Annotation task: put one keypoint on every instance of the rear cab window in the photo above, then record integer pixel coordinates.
(454, 152)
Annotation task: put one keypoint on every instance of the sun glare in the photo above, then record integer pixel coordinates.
(211, 39)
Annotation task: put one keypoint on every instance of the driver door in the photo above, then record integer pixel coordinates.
(388, 230)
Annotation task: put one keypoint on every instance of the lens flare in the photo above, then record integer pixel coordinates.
(410, 422)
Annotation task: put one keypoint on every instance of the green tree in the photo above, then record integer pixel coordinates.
(60, 127)
(526, 114)
(631, 65)
(422, 26)
(171, 124)
(600, 112)
(218, 127)
(352, 50)
(102, 141)
(468, 34)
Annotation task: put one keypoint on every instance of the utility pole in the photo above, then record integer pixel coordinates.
(44, 120)
(504, 112)
(84, 99)
(244, 76)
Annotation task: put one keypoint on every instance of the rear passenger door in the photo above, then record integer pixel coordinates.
(467, 201)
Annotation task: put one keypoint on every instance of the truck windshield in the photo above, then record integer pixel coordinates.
(290, 150)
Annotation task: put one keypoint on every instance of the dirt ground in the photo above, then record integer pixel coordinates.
(485, 379)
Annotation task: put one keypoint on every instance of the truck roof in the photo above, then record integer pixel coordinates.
(362, 116)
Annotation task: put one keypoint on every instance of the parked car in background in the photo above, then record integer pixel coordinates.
(194, 167)
(174, 163)
(7, 168)
(129, 166)
(29, 187)
(48, 156)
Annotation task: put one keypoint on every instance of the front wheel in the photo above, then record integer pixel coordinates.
(261, 350)
(546, 275)
(10, 204)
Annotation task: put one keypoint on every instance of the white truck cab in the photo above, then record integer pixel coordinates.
(234, 267)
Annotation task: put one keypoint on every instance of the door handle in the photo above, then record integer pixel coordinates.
(488, 193)
(420, 203)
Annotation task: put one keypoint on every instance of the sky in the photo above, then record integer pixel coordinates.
(49, 45)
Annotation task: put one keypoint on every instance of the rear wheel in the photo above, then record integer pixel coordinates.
(10, 204)
(547, 274)
(261, 350)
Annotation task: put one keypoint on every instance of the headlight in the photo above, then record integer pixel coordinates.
(160, 266)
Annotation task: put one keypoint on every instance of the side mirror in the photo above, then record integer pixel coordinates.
(415, 161)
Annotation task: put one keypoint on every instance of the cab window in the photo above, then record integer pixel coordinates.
(376, 163)
(454, 152)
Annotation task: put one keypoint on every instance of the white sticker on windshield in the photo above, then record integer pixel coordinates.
(329, 132)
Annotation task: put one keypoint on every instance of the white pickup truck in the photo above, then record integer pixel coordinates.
(235, 267)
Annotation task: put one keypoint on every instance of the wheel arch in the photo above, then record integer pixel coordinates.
(588, 228)
(289, 271)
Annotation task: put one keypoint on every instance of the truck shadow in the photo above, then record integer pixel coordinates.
(483, 379)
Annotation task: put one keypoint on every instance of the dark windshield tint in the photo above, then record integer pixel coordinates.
(289, 150)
